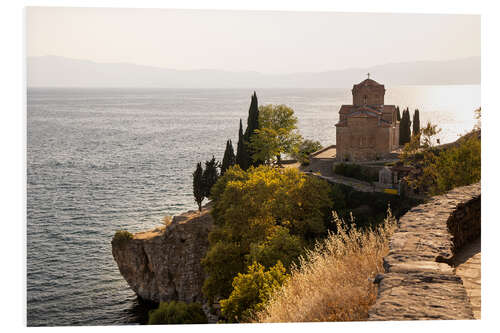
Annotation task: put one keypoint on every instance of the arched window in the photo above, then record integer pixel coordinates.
(365, 99)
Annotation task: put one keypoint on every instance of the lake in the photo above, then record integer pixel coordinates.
(99, 160)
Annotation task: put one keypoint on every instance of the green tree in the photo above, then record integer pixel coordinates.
(416, 122)
(279, 246)
(477, 116)
(253, 125)
(244, 151)
(253, 118)
(278, 133)
(242, 157)
(304, 149)
(247, 208)
(402, 132)
(438, 170)
(177, 313)
(408, 126)
(398, 115)
(198, 185)
(229, 158)
(251, 291)
(405, 128)
(460, 165)
(210, 176)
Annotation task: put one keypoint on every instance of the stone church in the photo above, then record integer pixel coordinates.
(368, 129)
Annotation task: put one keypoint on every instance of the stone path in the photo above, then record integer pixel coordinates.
(419, 282)
(468, 262)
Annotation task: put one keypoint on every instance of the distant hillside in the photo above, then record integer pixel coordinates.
(53, 71)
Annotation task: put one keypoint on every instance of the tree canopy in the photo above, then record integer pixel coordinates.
(229, 158)
(251, 210)
(251, 291)
(277, 134)
(210, 176)
(198, 188)
(416, 122)
(244, 151)
(438, 170)
(405, 128)
(302, 151)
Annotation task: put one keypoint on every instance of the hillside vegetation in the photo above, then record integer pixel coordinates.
(334, 281)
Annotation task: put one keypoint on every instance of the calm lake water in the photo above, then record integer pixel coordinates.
(100, 160)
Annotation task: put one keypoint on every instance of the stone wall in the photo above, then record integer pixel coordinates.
(363, 140)
(419, 280)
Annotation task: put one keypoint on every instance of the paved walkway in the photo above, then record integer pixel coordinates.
(469, 269)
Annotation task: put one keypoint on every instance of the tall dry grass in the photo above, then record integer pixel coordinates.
(334, 281)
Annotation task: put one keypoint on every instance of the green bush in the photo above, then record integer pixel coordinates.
(177, 313)
(251, 291)
(279, 246)
(439, 169)
(306, 147)
(121, 237)
(353, 171)
(248, 206)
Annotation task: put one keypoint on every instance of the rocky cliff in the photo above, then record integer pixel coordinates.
(164, 264)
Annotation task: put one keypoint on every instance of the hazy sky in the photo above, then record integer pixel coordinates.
(268, 42)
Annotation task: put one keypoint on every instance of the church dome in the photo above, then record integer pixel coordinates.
(368, 82)
(368, 92)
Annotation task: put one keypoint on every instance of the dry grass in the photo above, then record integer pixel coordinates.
(334, 281)
(167, 220)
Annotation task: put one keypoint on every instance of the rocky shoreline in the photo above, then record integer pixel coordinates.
(163, 264)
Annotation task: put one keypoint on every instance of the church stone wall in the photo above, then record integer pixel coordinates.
(368, 95)
(363, 140)
(367, 133)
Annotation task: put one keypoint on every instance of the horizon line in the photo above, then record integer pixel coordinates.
(248, 71)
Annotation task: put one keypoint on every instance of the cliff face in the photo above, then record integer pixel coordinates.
(164, 264)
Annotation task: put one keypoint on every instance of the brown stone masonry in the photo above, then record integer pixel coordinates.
(420, 280)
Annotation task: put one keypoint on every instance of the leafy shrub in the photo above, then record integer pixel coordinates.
(279, 246)
(459, 166)
(439, 170)
(306, 147)
(248, 207)
(121, 237)
(177, 313)
(353, 171)
(251, 291)
(277, 133)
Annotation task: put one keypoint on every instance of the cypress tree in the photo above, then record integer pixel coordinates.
(404, 122)
(398, 114)
(242, 158)
(252, 125)
(210, 176)
(229, 159)
(401, 129)
(416, 122)
(198, 188)
(253, 117)
(408, 126)
(405, 127)
(243, 151)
